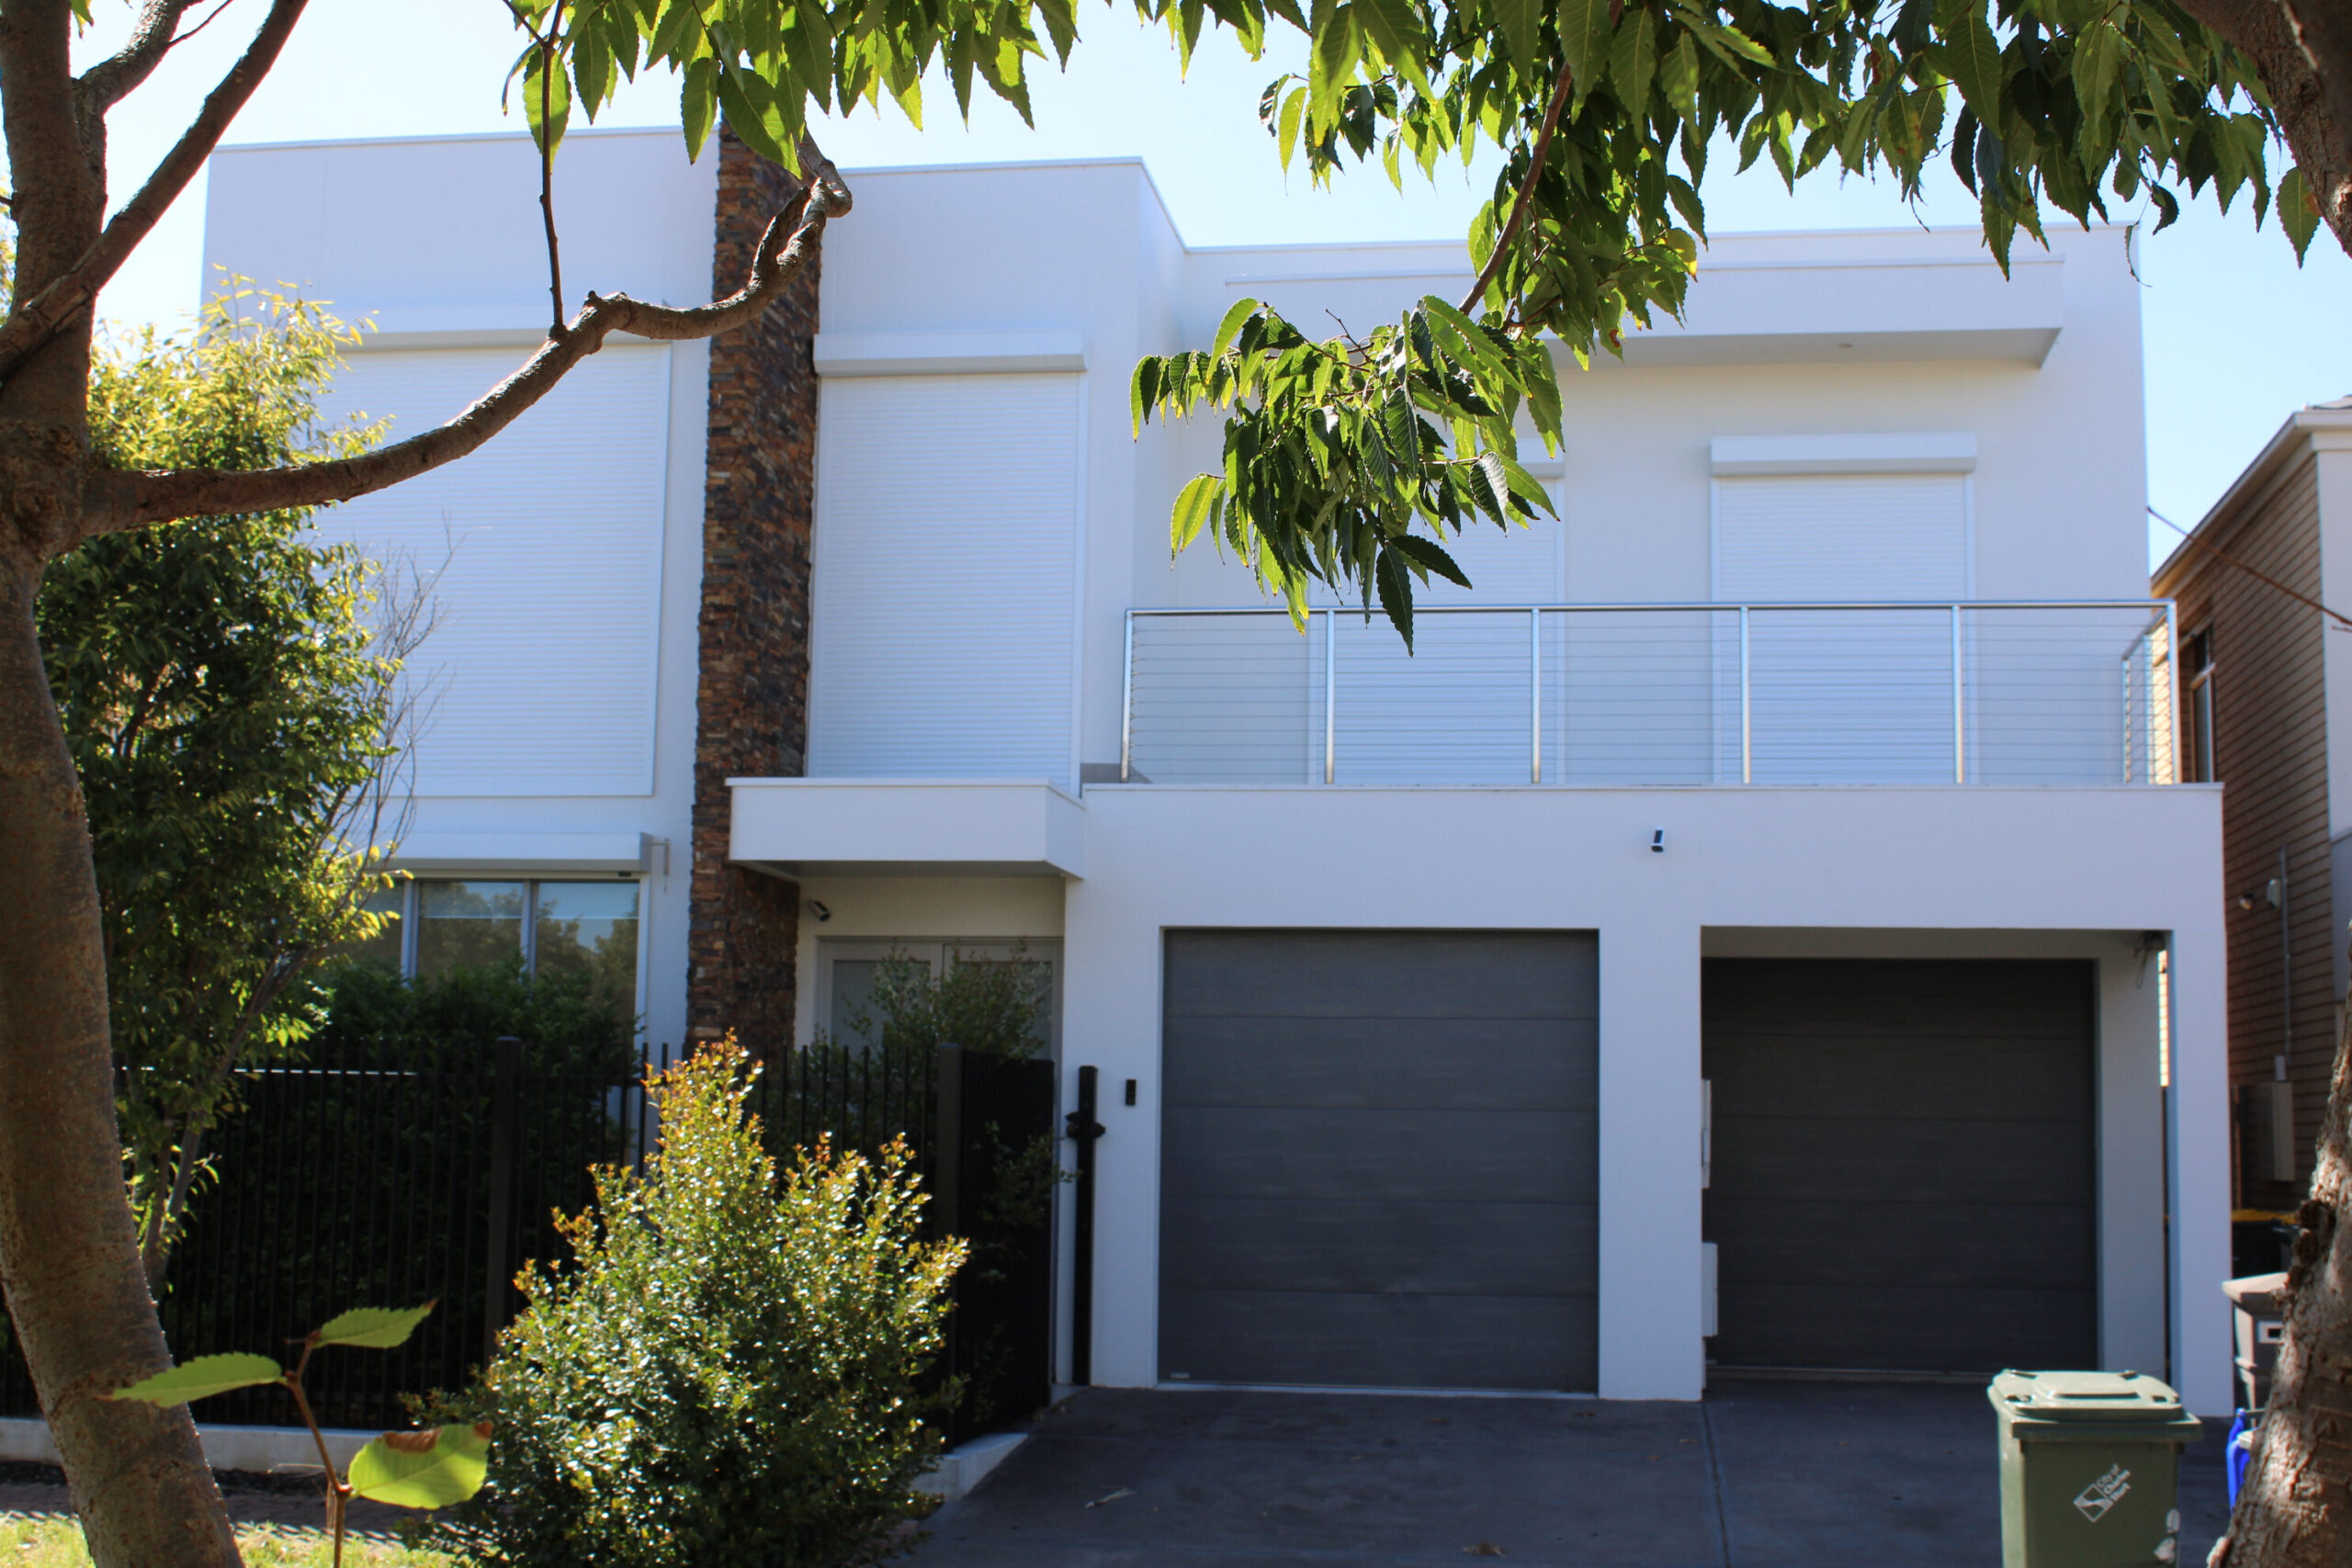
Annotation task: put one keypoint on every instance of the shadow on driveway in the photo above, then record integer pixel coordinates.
(1759, 1475)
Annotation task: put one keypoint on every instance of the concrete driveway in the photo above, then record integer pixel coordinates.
(1785, 1474)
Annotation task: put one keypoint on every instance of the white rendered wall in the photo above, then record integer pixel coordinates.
(1976, 866)
(438, 241)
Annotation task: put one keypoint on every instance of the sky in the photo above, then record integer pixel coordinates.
(2237, 336)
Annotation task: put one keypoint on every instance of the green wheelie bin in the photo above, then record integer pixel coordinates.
(2090, 1468)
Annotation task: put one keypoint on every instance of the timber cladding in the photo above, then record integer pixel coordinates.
(2269, 729)
(751, 697)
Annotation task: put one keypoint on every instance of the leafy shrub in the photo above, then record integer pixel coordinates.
(450, 1020)
(728, 1371)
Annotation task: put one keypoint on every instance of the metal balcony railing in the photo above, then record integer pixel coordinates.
(2014, 692)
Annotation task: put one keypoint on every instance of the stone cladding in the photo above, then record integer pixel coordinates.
(751, 698)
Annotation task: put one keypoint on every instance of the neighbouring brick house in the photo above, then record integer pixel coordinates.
(1730, 938)
(2263, 676)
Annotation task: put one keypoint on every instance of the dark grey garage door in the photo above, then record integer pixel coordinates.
(1378, 1159)
(1904, 1163)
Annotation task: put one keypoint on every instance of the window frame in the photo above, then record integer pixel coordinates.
(2197, 665)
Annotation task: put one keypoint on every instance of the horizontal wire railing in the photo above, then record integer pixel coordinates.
(2034, 692)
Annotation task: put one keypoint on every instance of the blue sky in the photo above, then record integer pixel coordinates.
(2237, 337)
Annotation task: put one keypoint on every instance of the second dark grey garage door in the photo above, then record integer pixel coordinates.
(1904, 1170)
(1378, 1159)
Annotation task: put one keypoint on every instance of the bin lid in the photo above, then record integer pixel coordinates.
(2256, 1294)
(2035, 1398)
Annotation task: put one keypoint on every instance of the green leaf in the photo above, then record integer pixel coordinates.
(698, 102)
(1429, 554)
(1240, 310)
(2297, 212)
(1396, 27)
(1396, 584)
(1142, 390)
(1196, 504)
(423, 1470)
(2097, 64)
(1520, 22)
(1679, 74)
(1294, 106)
(1584, 37)
(1633, 62)
(1970, 56)
(546, 103)
(202, 1378)
(373, 1328)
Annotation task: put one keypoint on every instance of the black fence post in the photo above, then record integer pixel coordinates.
(505, 1113)
(1083, 1129)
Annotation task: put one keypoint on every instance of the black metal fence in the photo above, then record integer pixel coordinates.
(390, 1175)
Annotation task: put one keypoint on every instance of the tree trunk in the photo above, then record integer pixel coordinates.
(68, 1258)
(2295, 1510)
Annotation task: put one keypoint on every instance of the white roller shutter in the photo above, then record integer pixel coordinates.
(1841, 537)
(540, 671)
(1841, 696)
(944, 630)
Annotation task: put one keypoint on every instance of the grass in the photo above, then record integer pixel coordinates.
(50, 1541)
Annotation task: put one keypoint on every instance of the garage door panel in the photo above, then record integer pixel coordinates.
(1927, 998)
(1411, 1246)
(1379, 1158)
(1828, 1158)
(1500, 1063)
(1449, 975)
(1943, 1245)
(1878, 1076)
(1464, 1155)
(1906, 1329)
(1380, 1340)
(1903, 1174)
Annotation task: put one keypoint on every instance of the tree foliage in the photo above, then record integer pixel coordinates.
(1606, 113)
(230, 712)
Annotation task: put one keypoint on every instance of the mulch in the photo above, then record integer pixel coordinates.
(288, 1498)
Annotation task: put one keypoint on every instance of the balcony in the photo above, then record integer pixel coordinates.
(1887, 693)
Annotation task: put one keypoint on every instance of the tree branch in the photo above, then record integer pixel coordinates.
(39, 319)
(1526, 196)
(548, 68)
(114, 78)
(159, 497)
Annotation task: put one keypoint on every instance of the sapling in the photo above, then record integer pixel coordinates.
(430, 1468)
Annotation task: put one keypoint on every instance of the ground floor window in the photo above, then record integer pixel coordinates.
(847, 971)
(555, 928)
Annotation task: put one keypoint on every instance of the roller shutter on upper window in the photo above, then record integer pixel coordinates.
(1841, 537)
(544, 555)
(944, 630)
(1845, 696)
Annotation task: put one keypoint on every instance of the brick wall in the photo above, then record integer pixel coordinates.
(751, 700)
(2271, 755)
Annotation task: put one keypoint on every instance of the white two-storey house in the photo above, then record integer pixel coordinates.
(1758, 928)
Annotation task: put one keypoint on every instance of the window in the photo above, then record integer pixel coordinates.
(2196, 709)
(847, 972)
(555, 928)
